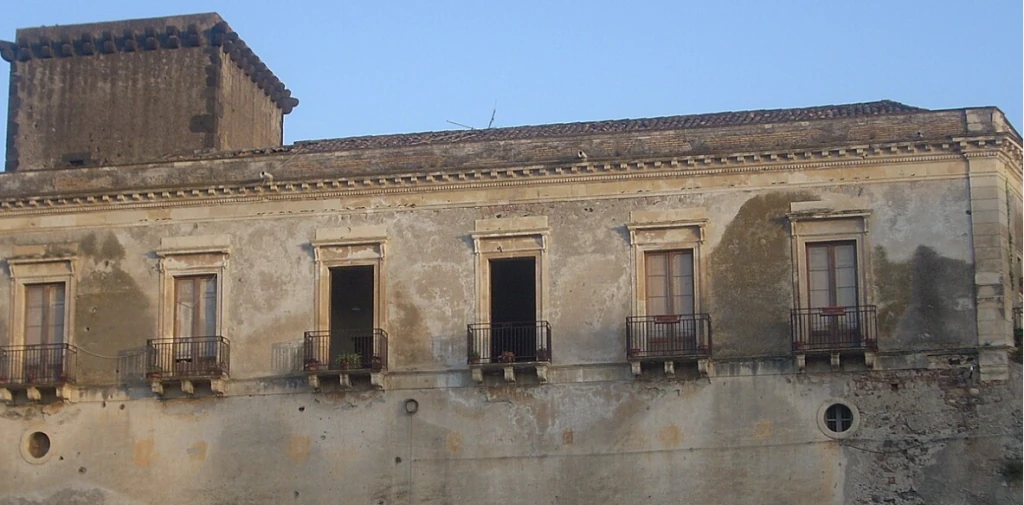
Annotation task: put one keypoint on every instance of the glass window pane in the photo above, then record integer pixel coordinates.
(682, 305)
(656, 286)
(845, 256)
(657, 306)
(819, 281)
(34, 296)
(817, 258)
(209, 307)
(33, 335)
(820, 298)
(655, 264)
(846, 297)
(682, 264)
(184, 307)
(846, 278)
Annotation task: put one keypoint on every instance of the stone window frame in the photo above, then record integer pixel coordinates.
(349, 247)
(40, 269)
(822, 222)
(188, 257)
(662, 231)
(506, 238)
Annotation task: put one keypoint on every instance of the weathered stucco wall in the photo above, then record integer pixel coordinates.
(430, 273)
(723, 440)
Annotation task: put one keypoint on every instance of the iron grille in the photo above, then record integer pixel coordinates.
(528, 341)
(835, 328)
(351, 349)
(187, 357)
(675, 336)
(38, 364)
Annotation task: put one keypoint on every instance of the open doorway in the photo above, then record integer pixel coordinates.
(513, 293)
(352, 312)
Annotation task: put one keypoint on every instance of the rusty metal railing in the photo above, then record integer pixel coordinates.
(675, 336)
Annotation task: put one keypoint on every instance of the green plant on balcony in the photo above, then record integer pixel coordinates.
(348, 361)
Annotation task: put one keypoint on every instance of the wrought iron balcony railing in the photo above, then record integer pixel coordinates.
(38, 365)
(350, 349)
(524, 342)
(828, 329)
(1018, 324)
(187, 358)
(675, 336)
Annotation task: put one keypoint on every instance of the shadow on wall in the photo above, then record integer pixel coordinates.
(112, 310)
(131, 365)
(924, 302)
(286, 357)
(751, 279)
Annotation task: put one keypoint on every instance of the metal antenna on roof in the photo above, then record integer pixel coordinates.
(494, 112)
(459, 124)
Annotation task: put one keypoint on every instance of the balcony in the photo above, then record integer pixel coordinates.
(668, 339)
(187, 360)
(31, 367)
(507, 346)
(835, 331)
(345, 353)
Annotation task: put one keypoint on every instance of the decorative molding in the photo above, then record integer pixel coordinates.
(573, 173)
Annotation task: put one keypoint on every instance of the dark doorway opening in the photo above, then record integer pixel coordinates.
(352, 310)
(514, 308)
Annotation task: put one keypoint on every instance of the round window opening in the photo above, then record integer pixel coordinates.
(838, 418)
(38, 444)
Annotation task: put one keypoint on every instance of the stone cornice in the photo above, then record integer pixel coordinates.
(483, 178)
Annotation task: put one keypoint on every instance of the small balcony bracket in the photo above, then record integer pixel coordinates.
(835, 361)
(670, 368)
(510, 374)
(314, 381)
(801, 362)
(157, 387)
(478, 374)
(218, 386)
(871, 360)
(634, 366)
(345, 381)
(66, 393)
(377, 380)
(704, 367)
(33, 394)
(6, 395)
(542, 372)
(187, 387)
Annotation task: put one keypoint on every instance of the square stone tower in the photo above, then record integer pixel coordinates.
(134, 91)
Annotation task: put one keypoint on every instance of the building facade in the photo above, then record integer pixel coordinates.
(795, 306)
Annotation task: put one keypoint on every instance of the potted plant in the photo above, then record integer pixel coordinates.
(634, 352)
(508, 357)
(347, 361)
(474, 357)
(154, 373)
(311, 364)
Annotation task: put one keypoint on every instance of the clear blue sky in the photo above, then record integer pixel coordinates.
(370, 67)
